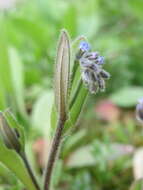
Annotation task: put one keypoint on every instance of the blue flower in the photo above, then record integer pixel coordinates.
(84, 46)
(100, 60)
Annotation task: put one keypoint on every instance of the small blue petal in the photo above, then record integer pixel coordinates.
(84, 46)
(100, 60)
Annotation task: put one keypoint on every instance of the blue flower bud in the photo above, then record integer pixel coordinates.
(93, 88)
(104, 74)
(101, 84)
(86, 76)
(100, 60)
(84, 46)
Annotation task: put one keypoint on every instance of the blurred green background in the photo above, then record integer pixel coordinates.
(99, 153)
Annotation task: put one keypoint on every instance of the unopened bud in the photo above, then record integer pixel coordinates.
(105, 74)
(9, 135)
(100, 60)
(83, 48)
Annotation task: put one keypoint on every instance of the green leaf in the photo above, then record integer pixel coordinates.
(4, 173)
(57, 173)
(6, 91)
(3, 102)
(77, 106)
(73, 141)
(17, 79)
(78, 94)
(91, 17)
(81, 157)
(41, 113)
(75, 110)
(136, 8)
(127, 97)
(15, 164)
(5, 74)
(31, 29)
(53, 119)
(78, 91)
(62, 75)
(82, 180)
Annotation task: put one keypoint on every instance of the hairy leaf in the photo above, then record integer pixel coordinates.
(62, 75)
(15, 164)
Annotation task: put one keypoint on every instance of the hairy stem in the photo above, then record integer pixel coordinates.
(53, 154)
(23, 156)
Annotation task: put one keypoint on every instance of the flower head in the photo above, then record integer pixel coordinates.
(93, 75)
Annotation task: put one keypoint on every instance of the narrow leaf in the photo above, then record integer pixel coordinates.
(62, 75)
(76, 102)
(17, 78)
(41, 113)
(14, 163)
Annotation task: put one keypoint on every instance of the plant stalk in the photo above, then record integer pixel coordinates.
(74, 69)
(24, 157)
(53, 154)
(75, 93)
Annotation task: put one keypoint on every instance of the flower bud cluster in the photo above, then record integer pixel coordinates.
(93, 75)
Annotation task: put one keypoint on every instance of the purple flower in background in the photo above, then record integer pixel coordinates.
(139, 110)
